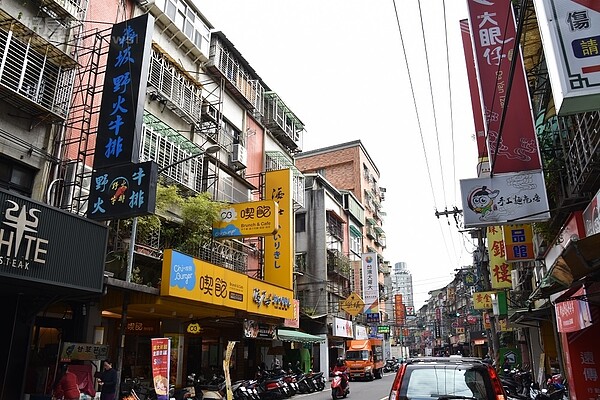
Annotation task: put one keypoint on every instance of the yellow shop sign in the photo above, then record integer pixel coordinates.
(193, 279)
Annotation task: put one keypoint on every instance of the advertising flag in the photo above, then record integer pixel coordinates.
(161, 356)
(515, 147)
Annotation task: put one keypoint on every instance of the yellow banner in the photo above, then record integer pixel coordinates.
(253, 218)
(482, 300)
(189, 278)
(279, 248)
(499, 268)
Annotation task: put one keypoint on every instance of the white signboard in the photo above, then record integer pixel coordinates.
(512, 198)
(370, 283)
(361, 332)
(570, 32)
(342, 328)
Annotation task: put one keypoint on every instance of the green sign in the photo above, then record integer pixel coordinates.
(383, 329)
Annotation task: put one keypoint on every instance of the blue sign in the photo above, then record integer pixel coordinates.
(372, 317)
(124, 92)
(123, 191)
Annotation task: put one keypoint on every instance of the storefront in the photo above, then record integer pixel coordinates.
(52, 265)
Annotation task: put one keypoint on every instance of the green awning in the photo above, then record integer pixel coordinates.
(297, 336)
(355, 231)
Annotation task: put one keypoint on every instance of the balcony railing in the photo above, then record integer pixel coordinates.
(35, 76)
(283, 123)
(175, 89)
(230, 64)
(337, 263)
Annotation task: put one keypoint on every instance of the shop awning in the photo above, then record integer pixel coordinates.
(580, 259)
(297, 336)
(530, 318)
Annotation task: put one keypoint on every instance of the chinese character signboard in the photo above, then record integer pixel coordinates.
(582, 359)
(124, 92)
(493, 30)
(194, 279)
(254, 218)
(161, 365)
(518, 242)
(499, 268)
(482, 300)
(83, 352)
(570, 36)
(294, 322)
(123, 191)
(279, 248)
(399, 314)
(519, 197)
(370, 283)
(353, 304)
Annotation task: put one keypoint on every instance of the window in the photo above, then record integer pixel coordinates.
(186, 19)
(16, 177)
(355, 240)
(301, 222)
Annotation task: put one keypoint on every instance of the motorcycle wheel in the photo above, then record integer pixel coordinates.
(335, 394)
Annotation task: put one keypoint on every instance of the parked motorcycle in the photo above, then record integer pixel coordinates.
(340, 385)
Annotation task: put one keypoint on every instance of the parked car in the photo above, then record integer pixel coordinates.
(446, 378)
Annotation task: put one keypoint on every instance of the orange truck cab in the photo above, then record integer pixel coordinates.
(364, 359)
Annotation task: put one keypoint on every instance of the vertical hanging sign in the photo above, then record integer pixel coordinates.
(515, 148)
(124, 92)
(499, 269)
(279, 248)
(370, 286)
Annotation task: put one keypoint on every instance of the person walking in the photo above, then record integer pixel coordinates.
(108, 380)
(66, 387)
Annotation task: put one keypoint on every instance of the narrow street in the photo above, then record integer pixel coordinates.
(378, 389)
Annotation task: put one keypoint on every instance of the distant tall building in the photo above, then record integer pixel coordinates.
(402, 283)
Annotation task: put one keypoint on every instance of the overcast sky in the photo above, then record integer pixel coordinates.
(340, 67)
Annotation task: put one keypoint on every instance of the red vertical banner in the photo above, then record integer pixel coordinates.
(161, 355)
(398, 309)
(493, 30)
(482, 151)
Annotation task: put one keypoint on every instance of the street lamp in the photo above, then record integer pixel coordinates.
(209, 150)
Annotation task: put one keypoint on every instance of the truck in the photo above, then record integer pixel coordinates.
(364, 359)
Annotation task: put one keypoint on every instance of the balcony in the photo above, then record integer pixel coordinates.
(335, 225)
(283, 123)
(240, 79)
(338, 264)
(65, 9)
(275, 160)
(175, 88)
(35, 76)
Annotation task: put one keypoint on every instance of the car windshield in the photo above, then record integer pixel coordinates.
(445, 382)
(356, 355)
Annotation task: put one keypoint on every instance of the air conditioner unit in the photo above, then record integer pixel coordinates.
(239, 156)
(210, 111)
(76, 187)
(514, 278)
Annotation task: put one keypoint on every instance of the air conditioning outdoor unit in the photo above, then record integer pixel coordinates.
(514, 277)
(239, 156)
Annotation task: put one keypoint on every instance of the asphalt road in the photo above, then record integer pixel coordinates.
(379, 389)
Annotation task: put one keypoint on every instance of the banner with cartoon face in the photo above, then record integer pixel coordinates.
(511, 198)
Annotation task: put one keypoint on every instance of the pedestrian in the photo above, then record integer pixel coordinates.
(108, 380)
(66, 387)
